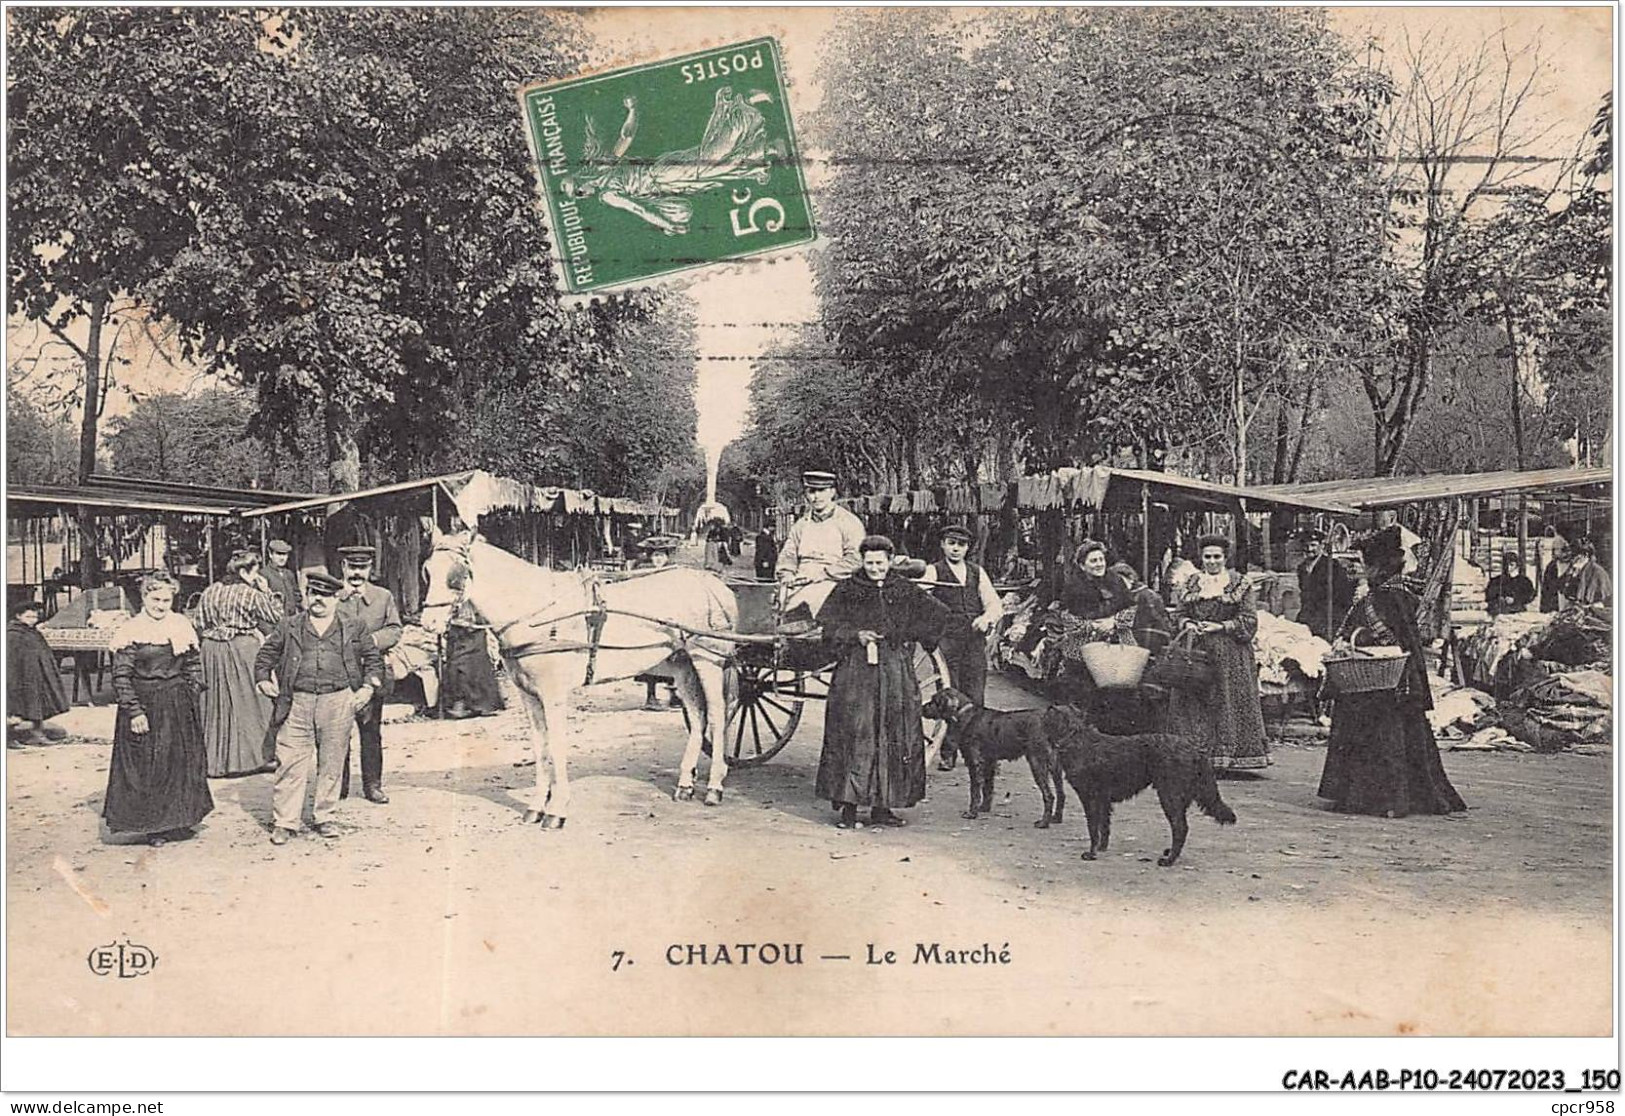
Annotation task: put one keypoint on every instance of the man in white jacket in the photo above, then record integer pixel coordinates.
(820, 549)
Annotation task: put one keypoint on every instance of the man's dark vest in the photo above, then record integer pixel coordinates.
(962, 600)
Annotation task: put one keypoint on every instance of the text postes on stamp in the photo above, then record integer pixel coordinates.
(668, 166)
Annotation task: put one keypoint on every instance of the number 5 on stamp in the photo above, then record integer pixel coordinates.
(662, 168)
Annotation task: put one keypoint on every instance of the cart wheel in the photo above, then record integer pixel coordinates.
(761, 721)
(931, 669)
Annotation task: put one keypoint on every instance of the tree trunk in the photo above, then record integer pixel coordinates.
(343, 448)
(1282, 431)
(1303, 431)
(1517, 386)
(93, 388)
(1006, 452)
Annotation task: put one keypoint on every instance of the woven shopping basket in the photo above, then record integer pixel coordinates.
(1182, 665)
(1114, 666)
(1360, 672)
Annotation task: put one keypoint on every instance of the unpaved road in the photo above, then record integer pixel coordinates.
(443, 914)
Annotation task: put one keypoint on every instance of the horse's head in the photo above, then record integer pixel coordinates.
(446, 574)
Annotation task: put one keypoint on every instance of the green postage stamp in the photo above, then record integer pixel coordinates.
(668, 166)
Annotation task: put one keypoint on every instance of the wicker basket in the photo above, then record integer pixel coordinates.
(1114, 666)
(1182, 665)
(1360, 672)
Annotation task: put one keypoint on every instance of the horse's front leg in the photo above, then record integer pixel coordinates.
(555, 692)
(687, 686)
(713, 686)
(529, 688)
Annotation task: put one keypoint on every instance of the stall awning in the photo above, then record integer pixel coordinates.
(122, 495)
(475, 492)
(1372, 493)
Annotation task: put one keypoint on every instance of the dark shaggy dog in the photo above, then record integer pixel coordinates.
(985, 737)
(1106, 769)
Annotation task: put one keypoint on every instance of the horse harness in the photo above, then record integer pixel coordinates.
(597, 615)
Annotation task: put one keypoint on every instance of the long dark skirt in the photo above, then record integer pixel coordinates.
(157, 780)
(1381, 759)
(874, 744)
(1226, 719)
(235, 714)
(469, 676)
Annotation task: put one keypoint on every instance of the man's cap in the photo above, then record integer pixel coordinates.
(817, 478)
(321, 584)
(358, 555)
(1312, 535)
(278, 546)
(956, 533)
(19, 607)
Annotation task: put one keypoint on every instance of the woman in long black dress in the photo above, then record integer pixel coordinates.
(157, 785)
(1381, 758)
(874, 743)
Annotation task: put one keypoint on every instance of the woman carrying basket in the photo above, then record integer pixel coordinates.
(1218, 611)
(1381, 758)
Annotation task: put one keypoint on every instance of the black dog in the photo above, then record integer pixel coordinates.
(1106, 769)
(985, 737)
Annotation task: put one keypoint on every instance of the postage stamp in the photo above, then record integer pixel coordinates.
(668, 166)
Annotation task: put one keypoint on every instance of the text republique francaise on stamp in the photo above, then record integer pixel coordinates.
(661, 168)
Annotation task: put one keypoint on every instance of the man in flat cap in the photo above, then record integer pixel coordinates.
(820, 549)
(373, 608)
(319, 669)
(284, 582)
(975, 610)
(1325, 589)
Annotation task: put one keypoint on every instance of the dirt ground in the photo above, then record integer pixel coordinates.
(443, 914)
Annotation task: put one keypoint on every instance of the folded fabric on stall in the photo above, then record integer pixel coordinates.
(1562, 709)
(1282, 646)
(1461, 712)
(1580, 635)
(1482, 652)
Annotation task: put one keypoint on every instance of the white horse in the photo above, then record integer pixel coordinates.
(559, 630)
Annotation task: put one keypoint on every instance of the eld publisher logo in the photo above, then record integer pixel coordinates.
(124, 959)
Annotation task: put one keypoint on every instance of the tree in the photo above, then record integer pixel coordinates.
(1460, 129)
(376, 256)
(626, 426)
(1097, 224)
(39, 449)
(97, 215)
(202, 438)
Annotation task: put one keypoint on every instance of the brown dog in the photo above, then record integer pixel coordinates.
(1106, 769)
(985, 737)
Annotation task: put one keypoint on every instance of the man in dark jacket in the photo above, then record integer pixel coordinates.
(374, 608)
(319, 669)
(283, 581)
(1325, 594)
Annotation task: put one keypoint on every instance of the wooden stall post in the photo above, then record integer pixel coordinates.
(1145, 532)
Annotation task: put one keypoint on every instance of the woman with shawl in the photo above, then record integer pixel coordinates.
(1381, 758)
(34, 692)
(157, 785)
